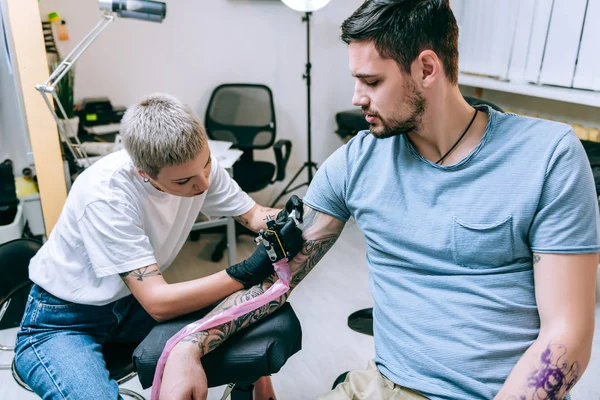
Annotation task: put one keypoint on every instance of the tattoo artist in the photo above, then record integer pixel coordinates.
(98, 277)
(482, 227)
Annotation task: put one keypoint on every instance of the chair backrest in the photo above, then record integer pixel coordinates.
(14, 265)
(243, 114)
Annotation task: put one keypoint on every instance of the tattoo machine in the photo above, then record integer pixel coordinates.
(272, 240)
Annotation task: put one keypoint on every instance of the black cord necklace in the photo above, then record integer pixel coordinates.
(459, 139)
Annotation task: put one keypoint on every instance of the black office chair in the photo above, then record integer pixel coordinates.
(361, 321)
(259, 350)
(244, 114)
(14, 290)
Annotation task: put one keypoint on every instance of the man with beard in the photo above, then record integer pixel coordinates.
(481, 227)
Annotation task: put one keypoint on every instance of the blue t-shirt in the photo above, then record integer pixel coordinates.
(449, 248)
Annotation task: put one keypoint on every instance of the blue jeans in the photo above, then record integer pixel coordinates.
(59, 346)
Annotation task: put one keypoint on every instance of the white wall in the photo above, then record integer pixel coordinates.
(202, 44)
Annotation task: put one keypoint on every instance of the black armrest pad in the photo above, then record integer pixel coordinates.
(259, 350)
(281, 159)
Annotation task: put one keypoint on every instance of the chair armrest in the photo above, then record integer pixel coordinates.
(281, 158)
(259, 350)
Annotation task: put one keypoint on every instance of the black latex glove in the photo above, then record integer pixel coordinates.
(259, 266)
(292, 238)
(294, 203)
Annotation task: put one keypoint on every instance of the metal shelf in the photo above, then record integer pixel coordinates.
(569, 95)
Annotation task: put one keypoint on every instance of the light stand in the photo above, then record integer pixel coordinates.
(309, 164)
(137, 9)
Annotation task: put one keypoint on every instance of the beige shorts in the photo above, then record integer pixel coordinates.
(370, 384)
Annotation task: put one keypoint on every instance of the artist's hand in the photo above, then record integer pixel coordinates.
(292, 238)
(259, 266)
(294, 203)
(184, 377)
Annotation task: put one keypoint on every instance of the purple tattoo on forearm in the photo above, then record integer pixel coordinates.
(554, 377)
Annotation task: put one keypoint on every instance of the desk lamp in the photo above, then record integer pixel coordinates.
(145, 10)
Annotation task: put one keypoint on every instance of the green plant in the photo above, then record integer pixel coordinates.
(64, 91)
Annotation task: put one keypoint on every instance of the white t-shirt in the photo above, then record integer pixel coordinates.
(114, 222)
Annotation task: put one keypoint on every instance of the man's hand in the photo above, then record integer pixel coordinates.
(184, 377)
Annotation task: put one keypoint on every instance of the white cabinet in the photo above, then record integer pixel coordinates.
(587, 73)
(562, 42)
(543, 48)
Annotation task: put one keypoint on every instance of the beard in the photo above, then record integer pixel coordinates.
(415, 103)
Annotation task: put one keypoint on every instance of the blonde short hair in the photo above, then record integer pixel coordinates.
(160, 131)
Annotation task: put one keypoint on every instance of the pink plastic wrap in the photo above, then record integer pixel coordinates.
(278, 289)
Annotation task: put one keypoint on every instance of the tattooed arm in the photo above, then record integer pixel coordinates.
(320, 231)
(255, 218)
(565, 294)
(164, 301)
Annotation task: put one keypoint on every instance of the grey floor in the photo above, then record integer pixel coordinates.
(336, 288)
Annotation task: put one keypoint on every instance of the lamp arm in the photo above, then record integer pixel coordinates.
(74, 55)
(48, 87)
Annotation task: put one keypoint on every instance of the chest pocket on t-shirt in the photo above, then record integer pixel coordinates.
(482, 245)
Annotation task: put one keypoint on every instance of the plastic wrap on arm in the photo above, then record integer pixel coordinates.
(279, 288)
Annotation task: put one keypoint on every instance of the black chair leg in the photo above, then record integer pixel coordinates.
(340, 379)
(219, 250)
(194, 236)
(243, 391)
(221, 247)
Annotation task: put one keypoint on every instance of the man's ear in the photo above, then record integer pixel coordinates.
(426, 68)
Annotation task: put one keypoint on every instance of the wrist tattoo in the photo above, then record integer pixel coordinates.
(271, 211)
